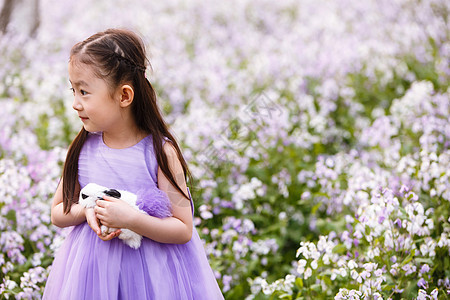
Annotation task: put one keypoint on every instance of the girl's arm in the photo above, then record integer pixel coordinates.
(174, 230)
(74, 217)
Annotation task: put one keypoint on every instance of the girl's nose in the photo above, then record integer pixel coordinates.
(76, 104)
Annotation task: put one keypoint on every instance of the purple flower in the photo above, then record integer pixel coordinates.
(226, 280)
(422, 283)
(424, 269)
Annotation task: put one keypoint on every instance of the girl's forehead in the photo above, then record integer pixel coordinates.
(81, 70)
(79, 67)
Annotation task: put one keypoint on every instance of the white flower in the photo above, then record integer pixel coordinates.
(352, 264)
(422, 295)
(354, 274)
(301, 264)
(268, 289)
(10, 284)
(289, 282)
(255, 284)
(308, 273)
(204, 212)
(434, 294)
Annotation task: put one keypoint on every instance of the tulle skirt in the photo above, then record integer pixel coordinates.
(85, 267)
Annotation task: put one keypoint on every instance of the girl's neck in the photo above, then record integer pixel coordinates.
(123, 139)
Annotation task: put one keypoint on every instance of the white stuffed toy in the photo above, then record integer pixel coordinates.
(92, 192)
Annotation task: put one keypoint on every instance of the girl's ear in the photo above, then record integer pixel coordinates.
(126, 94)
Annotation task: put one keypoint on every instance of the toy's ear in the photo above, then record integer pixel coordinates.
(113, 193)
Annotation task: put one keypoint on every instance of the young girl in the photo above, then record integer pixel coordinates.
(124, 144)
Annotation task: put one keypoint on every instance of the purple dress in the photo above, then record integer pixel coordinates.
(85, 267)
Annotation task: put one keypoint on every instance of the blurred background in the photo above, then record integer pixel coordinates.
(316, 122)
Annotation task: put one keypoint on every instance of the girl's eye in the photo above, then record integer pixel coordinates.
(82, 92)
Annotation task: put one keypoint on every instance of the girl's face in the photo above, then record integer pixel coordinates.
(97, 109)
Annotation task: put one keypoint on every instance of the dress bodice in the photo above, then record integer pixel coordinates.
(130, 169)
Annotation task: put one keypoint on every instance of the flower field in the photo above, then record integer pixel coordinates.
(318, 133)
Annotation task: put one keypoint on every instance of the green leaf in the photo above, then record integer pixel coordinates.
(316, 287)
(327, 280)
(339, 249)
(316, 207)
(409, 257)
(299, 282)
(421, 260)
(11, 215)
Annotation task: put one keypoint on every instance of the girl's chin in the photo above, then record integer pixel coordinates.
(88, 128)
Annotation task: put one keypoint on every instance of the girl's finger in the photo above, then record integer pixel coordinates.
(105, 201)
(110, 236)
(94, 227)
(104, 221)
(110, 199)
(100, 218)
(99, 215)
(99, 210)
(105, 237)
(93, 221)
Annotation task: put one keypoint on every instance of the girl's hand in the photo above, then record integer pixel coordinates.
(95, 225)
(109, 236)
(113, 212)
(92, 220)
